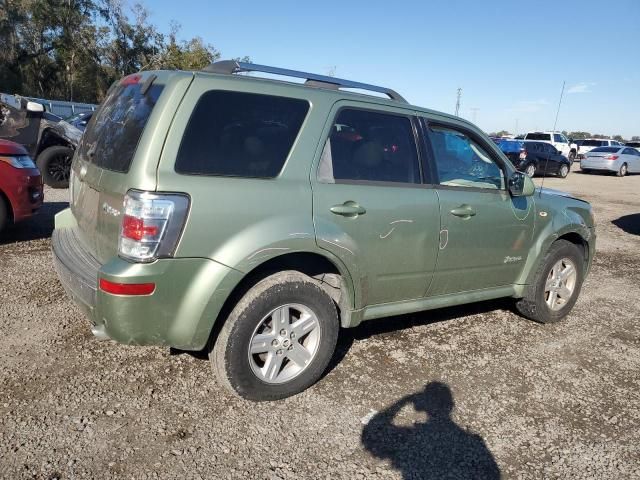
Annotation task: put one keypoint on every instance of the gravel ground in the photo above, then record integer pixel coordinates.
(473, 391)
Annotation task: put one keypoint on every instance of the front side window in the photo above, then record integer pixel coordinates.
(371, 147)
(240, 134)
(558, 138)
(463, 162)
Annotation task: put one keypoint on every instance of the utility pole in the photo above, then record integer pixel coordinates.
(474, 111)
(458, 101)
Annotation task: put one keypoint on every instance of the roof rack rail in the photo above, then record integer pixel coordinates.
(229, 67)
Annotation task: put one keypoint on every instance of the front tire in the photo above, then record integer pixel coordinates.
(623, 170)
(278, 339)
(556, 286)
(4, 214)
(564, 171)
(55, 165)
(530, 170)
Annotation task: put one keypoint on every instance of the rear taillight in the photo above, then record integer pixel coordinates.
(611, 157)
(151, 225)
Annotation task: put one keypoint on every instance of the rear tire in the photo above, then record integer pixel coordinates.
(55, 165)
(623, 170)
(261, 361)
(572, 157)
(556, 286)
(4, 214)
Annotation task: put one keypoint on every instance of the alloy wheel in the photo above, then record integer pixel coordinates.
(560, 284)
(60, 167)
(284, 343)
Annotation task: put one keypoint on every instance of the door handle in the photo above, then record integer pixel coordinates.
(463, 211)
(348, 209)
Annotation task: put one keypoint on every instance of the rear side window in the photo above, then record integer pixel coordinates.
(112, 136)
(593, 143)
(539, 136)
(371, 147)
(240, 134)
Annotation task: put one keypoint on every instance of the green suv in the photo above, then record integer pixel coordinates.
(255, 218)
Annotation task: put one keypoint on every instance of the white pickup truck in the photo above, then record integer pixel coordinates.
(556, 139)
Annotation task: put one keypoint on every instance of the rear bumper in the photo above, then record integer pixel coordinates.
(597, 164)
(189, 293)
(76, 268)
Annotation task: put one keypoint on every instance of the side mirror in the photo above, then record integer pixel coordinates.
(35, 107)
(521, 185)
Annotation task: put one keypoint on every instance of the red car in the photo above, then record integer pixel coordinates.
(21, 192)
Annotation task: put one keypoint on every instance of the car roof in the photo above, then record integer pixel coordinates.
(325, 87)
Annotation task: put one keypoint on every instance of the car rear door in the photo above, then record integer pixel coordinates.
(486, 233)
(370, 207)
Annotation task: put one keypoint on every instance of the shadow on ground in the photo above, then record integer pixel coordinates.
(37, 227)
(436, 448)
(629, 223)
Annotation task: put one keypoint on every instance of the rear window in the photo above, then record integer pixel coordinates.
(606, 149)
(538, 136)
(240, 134)
(112, 136)
(594, 143)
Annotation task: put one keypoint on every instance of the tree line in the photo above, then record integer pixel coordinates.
(75, 49)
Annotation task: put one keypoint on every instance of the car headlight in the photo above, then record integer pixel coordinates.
(20, 161)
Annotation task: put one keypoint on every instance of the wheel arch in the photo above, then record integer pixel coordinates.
(50, 138)
(577, 234)
(331, 275)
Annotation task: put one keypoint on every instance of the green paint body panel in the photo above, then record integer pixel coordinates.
(405, 254)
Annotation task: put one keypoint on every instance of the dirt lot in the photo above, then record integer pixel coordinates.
(504, 396)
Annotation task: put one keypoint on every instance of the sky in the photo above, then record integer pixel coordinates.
(510, 58)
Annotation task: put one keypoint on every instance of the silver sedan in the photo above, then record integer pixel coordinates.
(621, 160)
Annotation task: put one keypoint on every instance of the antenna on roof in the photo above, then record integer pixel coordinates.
(544, 174)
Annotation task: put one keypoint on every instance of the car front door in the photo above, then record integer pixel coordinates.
(370, 206)
(486, 233)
